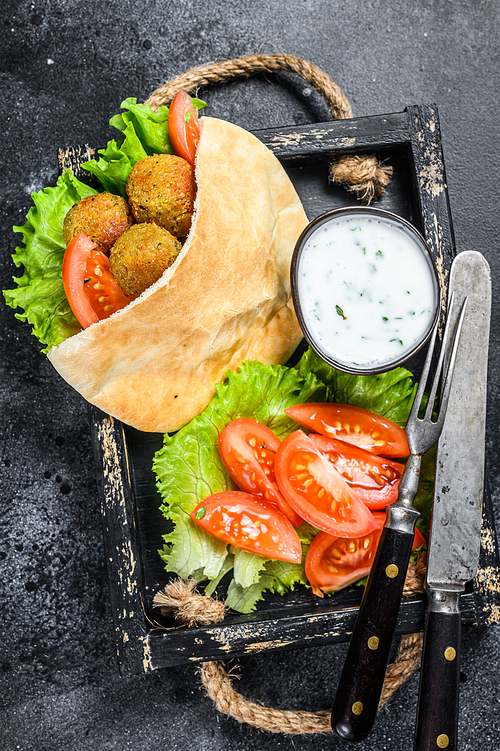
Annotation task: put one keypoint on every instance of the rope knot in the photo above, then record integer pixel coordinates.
(363, 175)
(188, 606)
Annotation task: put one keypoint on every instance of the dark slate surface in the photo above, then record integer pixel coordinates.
(65, 67)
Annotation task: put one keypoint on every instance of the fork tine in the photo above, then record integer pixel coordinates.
(423, 379)
(427, 365)
(439, 367)
(451, 366)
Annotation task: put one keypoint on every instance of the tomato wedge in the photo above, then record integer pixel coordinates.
(353, 425)
(317, 492)
(90, 288)
(333, 563)
(183, 128)
(247, 448)
(244, 520)
(374, 478)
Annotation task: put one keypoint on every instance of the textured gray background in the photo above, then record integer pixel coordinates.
(65, 67)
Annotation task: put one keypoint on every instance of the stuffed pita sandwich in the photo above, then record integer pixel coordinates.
(225, 299)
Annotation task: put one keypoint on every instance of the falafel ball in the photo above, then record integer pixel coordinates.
(103, 217)
(140, 256)
(162, 188)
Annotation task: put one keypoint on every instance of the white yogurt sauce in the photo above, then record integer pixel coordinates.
(367, 290)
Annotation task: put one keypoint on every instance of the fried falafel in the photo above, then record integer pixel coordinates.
(103, 217)
(140, 256)
(162, 188)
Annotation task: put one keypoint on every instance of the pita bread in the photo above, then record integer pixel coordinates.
(226, 299)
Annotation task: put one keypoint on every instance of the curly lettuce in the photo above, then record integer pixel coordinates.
(188, 467)
(40, 292)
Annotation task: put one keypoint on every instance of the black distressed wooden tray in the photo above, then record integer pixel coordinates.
(410, 142)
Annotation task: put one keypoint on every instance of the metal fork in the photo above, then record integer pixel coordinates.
(360, 685)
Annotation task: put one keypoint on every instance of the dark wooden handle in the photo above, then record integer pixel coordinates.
(360, 685)
(437, 712)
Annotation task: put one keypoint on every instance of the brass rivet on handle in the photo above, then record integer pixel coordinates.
(442, 741)
(392, 571)
(450, 654)
(357, 707)
(373, 642)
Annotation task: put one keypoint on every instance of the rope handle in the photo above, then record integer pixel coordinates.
(191, 609)
(362, 175)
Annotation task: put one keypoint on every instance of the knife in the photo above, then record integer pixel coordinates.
(456, 518)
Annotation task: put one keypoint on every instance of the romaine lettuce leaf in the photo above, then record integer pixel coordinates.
(40, 290)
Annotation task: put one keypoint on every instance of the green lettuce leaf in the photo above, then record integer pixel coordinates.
(226, 568)
(40, 290)
(188, 467)
(247, 567)
(277, 576)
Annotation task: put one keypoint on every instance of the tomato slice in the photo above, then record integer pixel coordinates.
(314, 488)
(353, 425)
(333, 563)
(248, 448)
(90, 288)
(183, 128)
(245, 520)
(374, 478)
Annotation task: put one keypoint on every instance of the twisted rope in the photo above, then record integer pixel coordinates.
(245, 67)
(190, 608)
(362, 175)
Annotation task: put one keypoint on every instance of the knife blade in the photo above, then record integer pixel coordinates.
(456, 517)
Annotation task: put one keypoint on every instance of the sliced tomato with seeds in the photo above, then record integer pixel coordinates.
(247, 521)
(91, 290)
(317, 492)
(354, 425)
(248, 448)
(333, 563)
(374, 478)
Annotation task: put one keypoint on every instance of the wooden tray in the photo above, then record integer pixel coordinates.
(410, 142)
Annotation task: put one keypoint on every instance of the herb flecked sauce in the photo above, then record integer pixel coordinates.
(367, 291)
